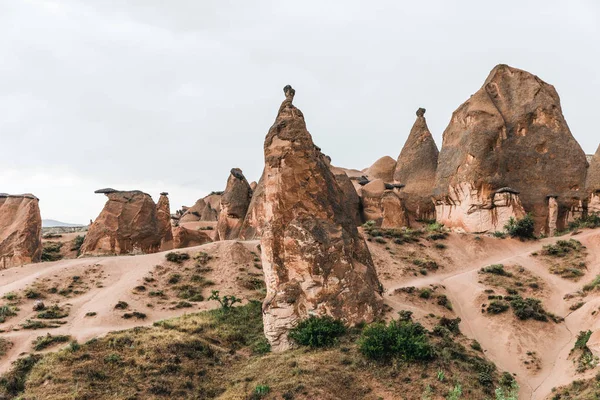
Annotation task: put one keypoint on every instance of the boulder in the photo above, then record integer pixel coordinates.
(510, 133)
(184, 237)
(127, 224)
(20, 230)
(234, 205)
(314, 260)
(163, 214)
(415, 169)
(382, 169)
(592, 184)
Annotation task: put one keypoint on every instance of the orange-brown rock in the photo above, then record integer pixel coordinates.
(351, 201)
(205, 209)
(163, 214)
(234, 205)
(20, 230)
(315, 261)
(382, 169)
(592, 184)
(127, 224)
(184, 237)
(382, 204)
(254, 219)
(415, 169)
(511, 133)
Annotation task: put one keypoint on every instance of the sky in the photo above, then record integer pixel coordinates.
(169, 96)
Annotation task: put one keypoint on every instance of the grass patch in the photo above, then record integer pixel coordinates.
(43, 342)
(176, 257)
(53, 312)
(317, 331)
(51, 251)
(6, 312)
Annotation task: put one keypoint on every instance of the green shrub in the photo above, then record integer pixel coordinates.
(226, 302)
(498, 307)
(582, 339)
(499, 235)
(399, 339)
(528, 308)
(561, 248)
(522, 228)
(51, 251)
(425, 293)
(13, 382)
(317, 331)
(54, 312)
(42, 342)
(177, 258)
(121, 305)
(77, 242)
(7, 312)
(496, 269)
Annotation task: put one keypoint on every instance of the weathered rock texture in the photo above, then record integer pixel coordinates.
(254, 219)
(20, 230)
(314, 259)
(382, 204)
(234, 205)
(592, 184)
(183, 237)
(382, 169)
(163, 214)
(205, 209)
(127, 224)
(351, 201)
(415, 168)
(511, 133)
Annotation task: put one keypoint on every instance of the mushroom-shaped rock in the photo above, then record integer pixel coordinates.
(592, 183)
(234, 205)
(416, 168)
(315, 261)
(127, 224)
(509, 133)
(382, 169)
(163, 214)
(20, 230)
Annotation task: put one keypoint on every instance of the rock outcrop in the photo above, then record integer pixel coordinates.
(184, 237)
(592, 184)
(127, 224)
(254, 219)
(415, 168)
(234, 205)
(314, 259)
(382, 204)
(351, 201)
(511, 133)
(206, 209)
(20, 230)
(382, 169)
(163, 214)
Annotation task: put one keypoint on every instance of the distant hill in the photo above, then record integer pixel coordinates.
(50, 223)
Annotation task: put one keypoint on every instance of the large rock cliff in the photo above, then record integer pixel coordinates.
(20, 230)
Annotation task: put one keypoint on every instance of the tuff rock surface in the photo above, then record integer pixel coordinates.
(254, 219)
(205, 209)
(416, 168)
(128, 223)
(592, 184)
(20, 230)
(314, 259)
(382, 204)
(184, 237)
(510, 133)
(234, 205)
(382, 169)
(163, 214)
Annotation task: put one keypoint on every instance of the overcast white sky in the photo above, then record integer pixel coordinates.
(170, 95)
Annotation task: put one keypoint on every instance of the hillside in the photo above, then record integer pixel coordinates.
(432, 274)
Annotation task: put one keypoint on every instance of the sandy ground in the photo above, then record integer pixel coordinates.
(505, 339)
(114, 279)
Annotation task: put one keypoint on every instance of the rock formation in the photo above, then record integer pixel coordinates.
(511, 133)
(184, 237)
(314, 259)
(416, 168)
(382, 169)
(20, 230)
(351, 201)
(127, 224)
(163, 214)
(254, 219)
(205, 209)
(592, 184)
(382, 204)
(234, 205)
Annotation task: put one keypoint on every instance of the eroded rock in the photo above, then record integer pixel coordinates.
(20, 230)
(509, 133)
(163, 214)
(314, 259)
(592, 184)
(234, 205)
